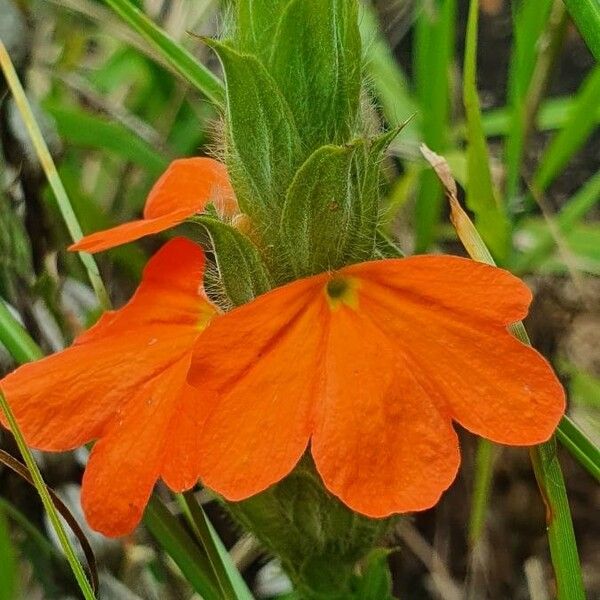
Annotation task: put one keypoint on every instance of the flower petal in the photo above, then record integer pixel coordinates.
(463, 354)
(69, 398)
(183, 190)
(380, 444)
(264, 365)
(125, 464)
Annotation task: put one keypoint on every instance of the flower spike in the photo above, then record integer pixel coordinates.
(123, 383)
(372, 364)
(184, 189)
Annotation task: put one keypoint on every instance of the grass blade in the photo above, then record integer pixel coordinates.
(561, 537)
(569, 216)
(579, 125)
(586, 14)
(172, 537)
(580, 446)
(433, 51)
(36, 476)
(229, 578)
(482, 485)
(8, 562)
(482, 198)
(529, 21)
(16, 339)
(51, 173)
(173, 53)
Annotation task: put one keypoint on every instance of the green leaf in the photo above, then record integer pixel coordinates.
(529, 21)
(581, 122)
(264, 145)
(174, 539)
(482, 198)
(433, 55)
(586, 14)
(242, 271)
(316, 61)
(257, 22)
(8, 562)
(230, 580)
(90, 131)
(318, 212)
(567, 219)
(173, 53)
(375, 582)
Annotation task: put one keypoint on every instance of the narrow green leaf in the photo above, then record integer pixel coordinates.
(230, 580)
(316, 62)
(8, 562)
(482, 198)
(529, 20)
(568, 217)
(433, 54)
(482, 485)
(375, 582)
(70, 553)
(173, 53)
(90, 131)
(580, 446)
(581, 122)
(264, 145)
(51, 173)
(586, 14)
(176, 542)
(318, 211)
(243, 273)
(16, 339)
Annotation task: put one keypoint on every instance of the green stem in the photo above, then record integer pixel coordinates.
(16, 339)
(49, 168)
(580, 446)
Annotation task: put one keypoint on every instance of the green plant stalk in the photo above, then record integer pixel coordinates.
(173, 53)
(51, 173)
(586, 14)
(8, 562)
(78, 572)
(561, 537)
(230, 581)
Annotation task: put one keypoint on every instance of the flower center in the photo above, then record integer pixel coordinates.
(342, 290)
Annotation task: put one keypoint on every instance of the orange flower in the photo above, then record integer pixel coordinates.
(372, 364)
(183, 190)
(123, 382)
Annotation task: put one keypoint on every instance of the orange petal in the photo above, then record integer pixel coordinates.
(184, 189)
(380, 444)
(124, 381)
(125, 464)
(452, 323)
(264, 364)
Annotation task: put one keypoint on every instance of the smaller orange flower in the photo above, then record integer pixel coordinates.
(372, 364)
(184, 189)
(123, 382)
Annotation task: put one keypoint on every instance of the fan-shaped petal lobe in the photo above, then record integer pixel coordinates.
(184, 189)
